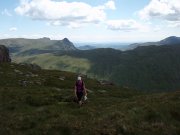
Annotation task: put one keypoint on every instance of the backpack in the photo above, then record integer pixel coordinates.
(79, 86)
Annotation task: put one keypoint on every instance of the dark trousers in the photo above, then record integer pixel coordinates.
(79, 95)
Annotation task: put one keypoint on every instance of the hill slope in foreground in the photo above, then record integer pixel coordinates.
(39, 102)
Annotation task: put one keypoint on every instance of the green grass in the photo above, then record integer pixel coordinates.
(65, 63)
(47, 108)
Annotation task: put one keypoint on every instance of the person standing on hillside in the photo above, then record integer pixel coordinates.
(80, 90)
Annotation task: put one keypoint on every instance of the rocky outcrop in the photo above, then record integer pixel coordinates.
(4, 54)
(64, 45)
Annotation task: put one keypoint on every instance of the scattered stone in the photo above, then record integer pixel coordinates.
(102, 91)
(38, 83)
(18, 72)
(25, 83)
(12, 66)
(105, 82)
(58, 89)
(62, 78)
(29, 74)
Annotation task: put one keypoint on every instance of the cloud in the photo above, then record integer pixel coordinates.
(71, 14)
(174, 24)
(13, 29)
(6, 12)
(126, 25)
(162, 9)
(156, 28)
(110, 4)
(68, 24)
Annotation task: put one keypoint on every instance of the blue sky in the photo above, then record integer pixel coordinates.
(90, 20)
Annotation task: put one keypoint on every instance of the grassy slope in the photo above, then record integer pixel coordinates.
(66, 63)
(45, 106)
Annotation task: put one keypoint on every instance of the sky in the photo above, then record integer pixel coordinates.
(90, 20)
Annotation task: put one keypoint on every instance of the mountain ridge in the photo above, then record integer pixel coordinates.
(17, 45)
(169, 40)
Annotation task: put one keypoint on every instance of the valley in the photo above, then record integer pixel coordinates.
(153, 67)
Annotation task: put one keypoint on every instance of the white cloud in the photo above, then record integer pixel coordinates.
(173, 24)
(13, 29)
(126, 25)
(69, 24)
(6, 12)
(71, 14)
(156, 28)
(162, 9)
(110, 4)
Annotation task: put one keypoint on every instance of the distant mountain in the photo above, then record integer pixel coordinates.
(20, 45)
(86, 47)
(113, 45)
(64, 45)
(170, 40)
(173, 40)
(128, 46)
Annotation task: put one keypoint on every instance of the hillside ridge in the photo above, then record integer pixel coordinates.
(173, 40)
(19, 45)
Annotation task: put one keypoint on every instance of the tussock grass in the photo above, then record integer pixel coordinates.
(48, 108)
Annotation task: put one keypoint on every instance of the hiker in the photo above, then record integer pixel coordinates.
(80, 90)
